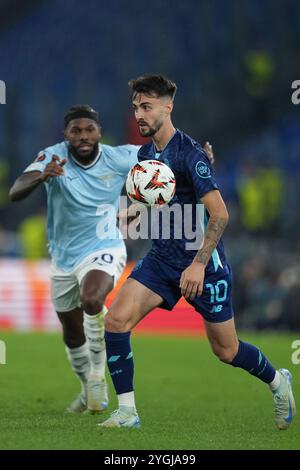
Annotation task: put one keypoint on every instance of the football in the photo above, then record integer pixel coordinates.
(150, 183)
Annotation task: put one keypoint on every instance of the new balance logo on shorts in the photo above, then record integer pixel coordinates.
(216, 309)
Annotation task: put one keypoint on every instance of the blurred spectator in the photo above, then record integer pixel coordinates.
(267, 286)
(289, 280)
(33, 237)
(260, 191)
(259, 70)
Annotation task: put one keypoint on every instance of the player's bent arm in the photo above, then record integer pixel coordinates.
(25, 184)
(218, 220)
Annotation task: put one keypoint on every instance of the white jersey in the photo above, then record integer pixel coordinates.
(83, 203)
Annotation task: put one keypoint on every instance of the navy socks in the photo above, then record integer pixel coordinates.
(120, 361)
(251, 359)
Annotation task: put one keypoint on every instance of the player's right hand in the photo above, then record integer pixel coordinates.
(209, 152)
(54, 168)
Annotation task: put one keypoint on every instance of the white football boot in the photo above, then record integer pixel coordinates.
(285, 408)
(124, 417)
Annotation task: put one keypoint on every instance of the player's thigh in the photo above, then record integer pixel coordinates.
(132, 303)
(64, 291)
(111, 261)
(99, 272)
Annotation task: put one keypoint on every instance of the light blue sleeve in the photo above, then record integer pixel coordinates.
(40, 162)
(133, 158)
(45, 156)
(127, 157)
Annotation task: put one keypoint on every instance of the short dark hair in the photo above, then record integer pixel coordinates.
(81, 111)
(153, 84)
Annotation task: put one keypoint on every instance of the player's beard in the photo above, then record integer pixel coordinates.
(150, 131)
(87, 158)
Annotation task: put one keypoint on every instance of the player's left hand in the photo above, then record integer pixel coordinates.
(191, 281)
(209, 152)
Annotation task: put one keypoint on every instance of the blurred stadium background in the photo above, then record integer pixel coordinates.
(234, 63)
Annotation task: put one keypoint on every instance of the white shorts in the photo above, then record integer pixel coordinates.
(65, 286)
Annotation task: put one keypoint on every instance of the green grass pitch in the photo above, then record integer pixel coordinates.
(186, 398)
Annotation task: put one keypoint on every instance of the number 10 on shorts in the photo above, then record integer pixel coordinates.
(218, 291)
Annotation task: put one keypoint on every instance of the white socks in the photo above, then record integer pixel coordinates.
(80, 362)
(126, 399)
(275, 382)
(94, 332)
(90, 358)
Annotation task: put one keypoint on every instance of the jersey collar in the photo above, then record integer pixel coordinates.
(86, 167)
(154, 150)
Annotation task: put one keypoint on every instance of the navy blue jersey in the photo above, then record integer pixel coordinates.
(194, 178)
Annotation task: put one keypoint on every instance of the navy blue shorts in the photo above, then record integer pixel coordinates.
(215, 303)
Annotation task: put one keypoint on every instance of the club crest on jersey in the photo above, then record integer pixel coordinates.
(202, 170)
(107, 179)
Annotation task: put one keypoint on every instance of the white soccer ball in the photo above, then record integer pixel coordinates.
(150, 183)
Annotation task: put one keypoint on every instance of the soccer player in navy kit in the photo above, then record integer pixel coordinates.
(170, 270)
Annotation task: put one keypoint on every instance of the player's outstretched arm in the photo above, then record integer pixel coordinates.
(26, 183)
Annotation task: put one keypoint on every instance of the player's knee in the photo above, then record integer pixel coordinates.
(225, 354)
(116, 324)
(92, 304)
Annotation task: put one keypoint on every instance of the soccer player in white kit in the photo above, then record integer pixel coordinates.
(83, 179)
